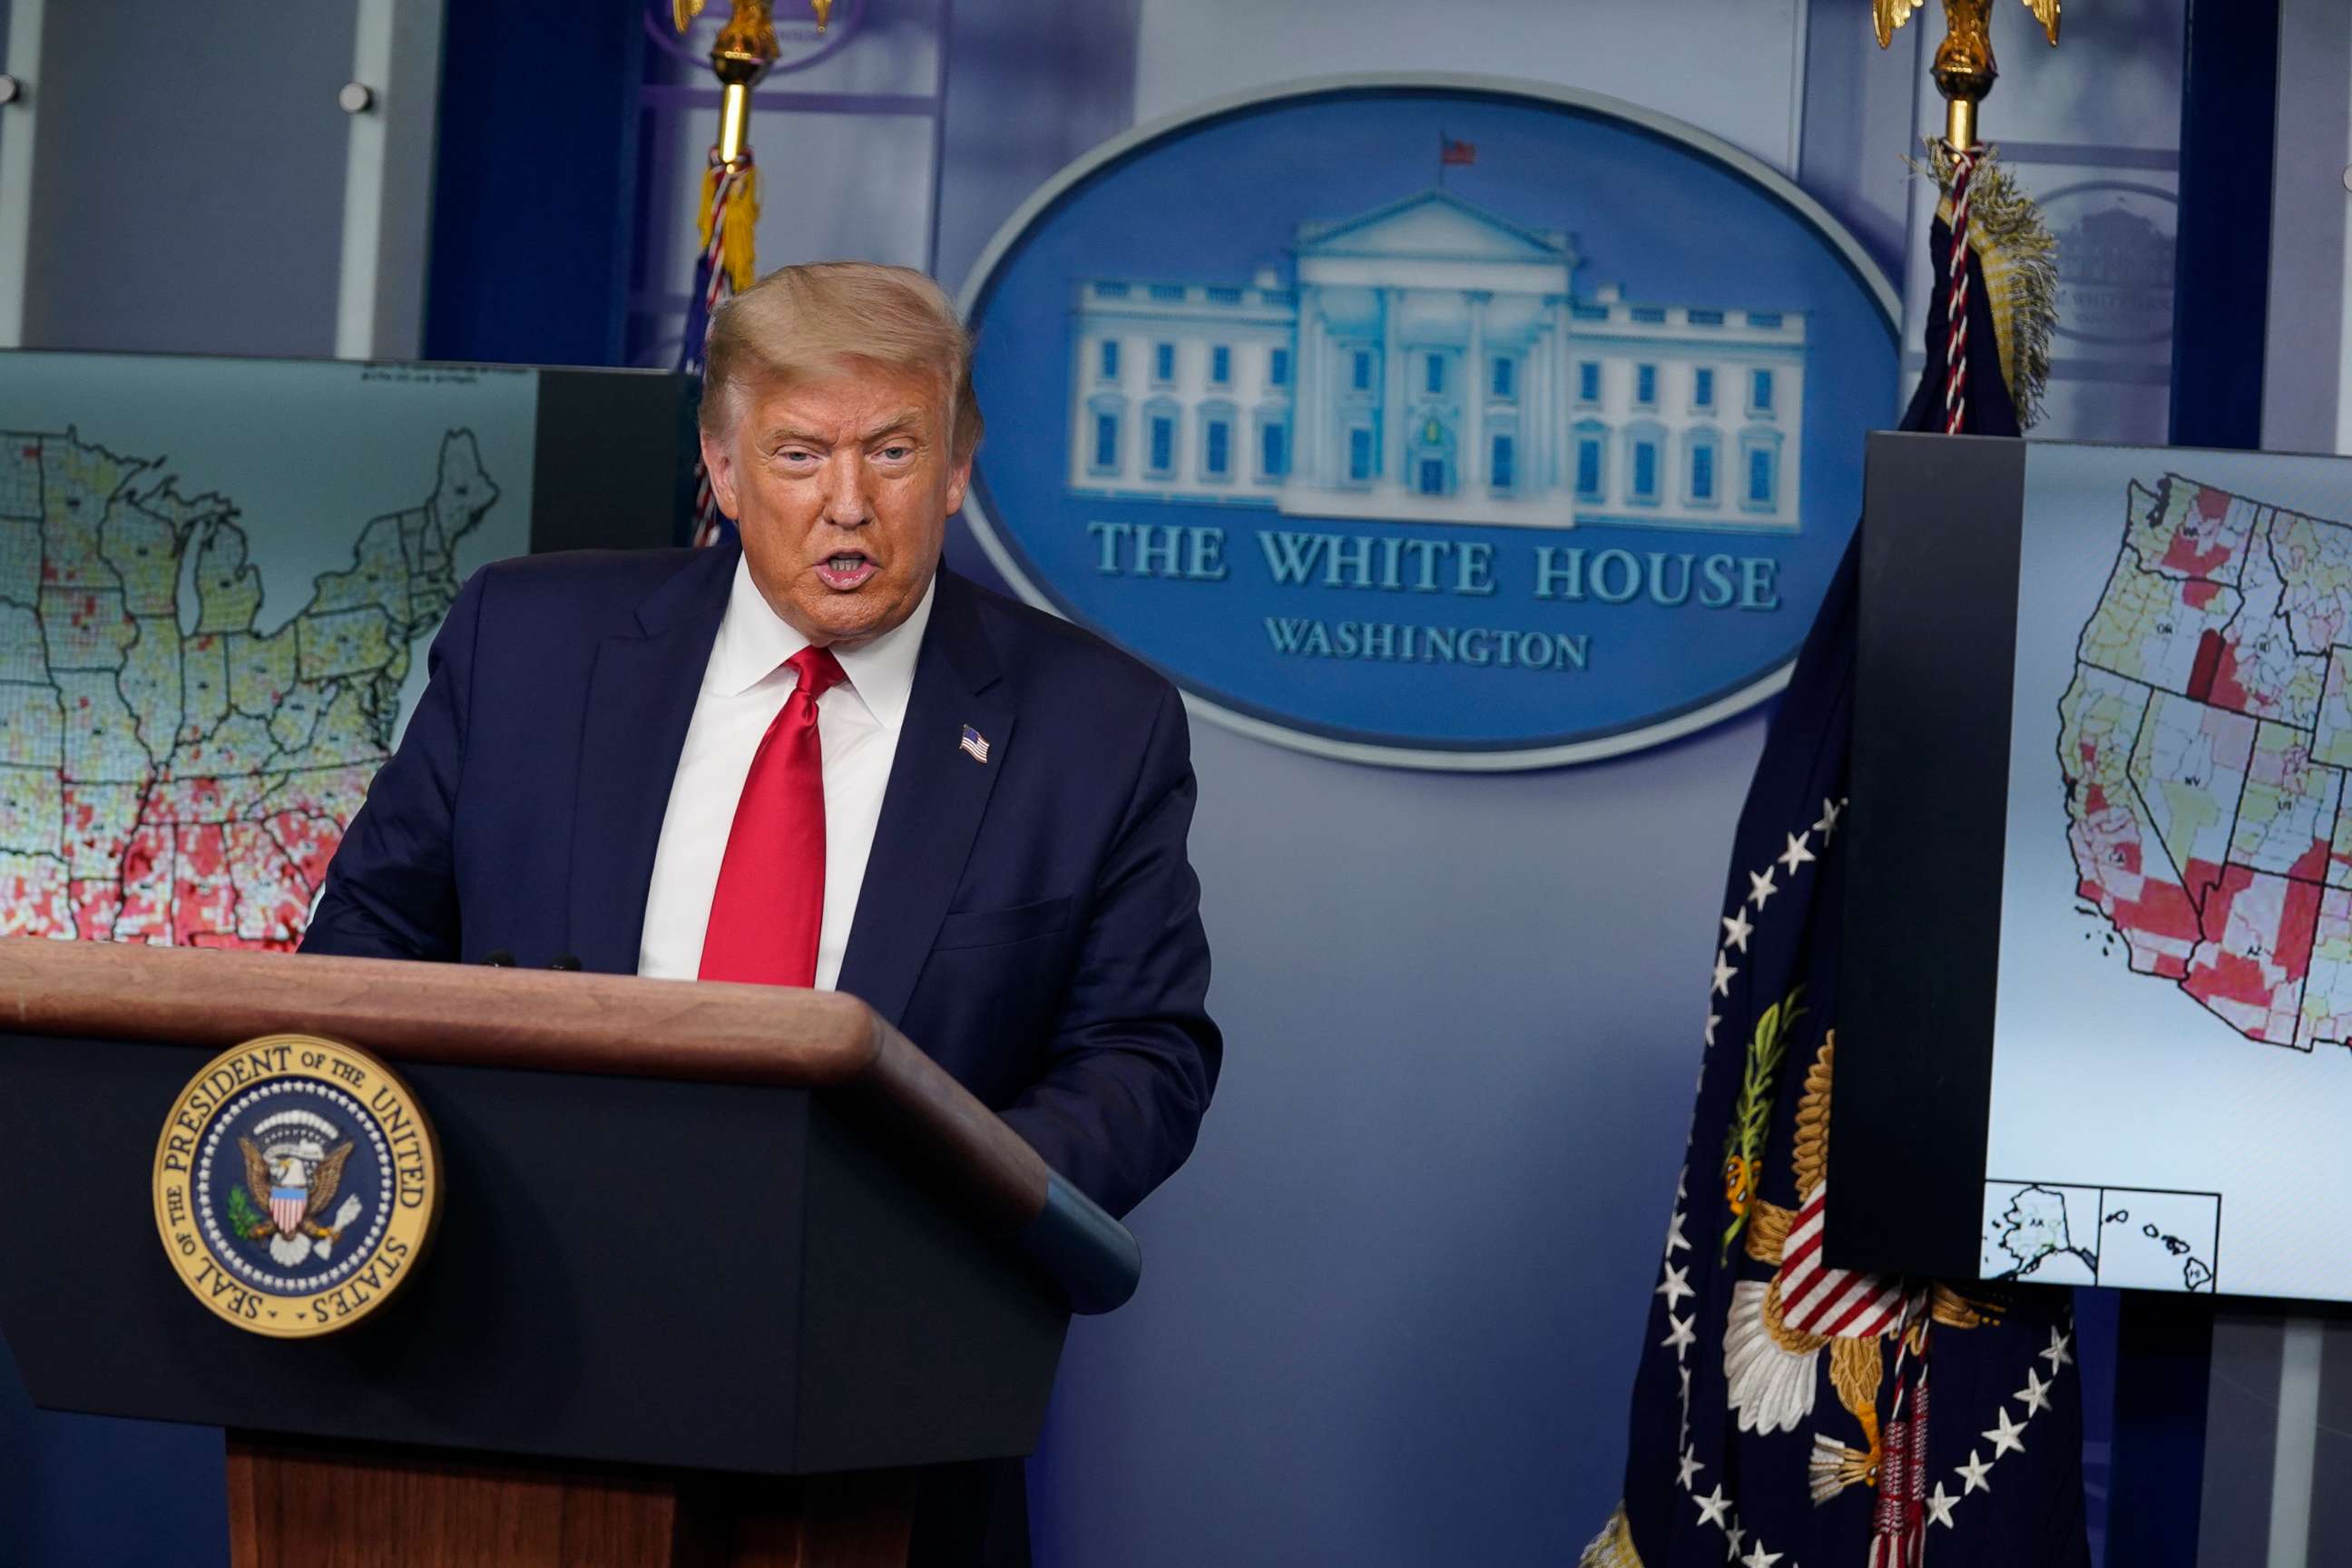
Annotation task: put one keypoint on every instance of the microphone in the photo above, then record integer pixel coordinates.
(498, 958)
(567, 962)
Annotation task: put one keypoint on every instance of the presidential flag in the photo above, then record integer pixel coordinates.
(1786, 1413)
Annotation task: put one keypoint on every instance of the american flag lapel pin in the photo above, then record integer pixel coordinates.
(975, 744)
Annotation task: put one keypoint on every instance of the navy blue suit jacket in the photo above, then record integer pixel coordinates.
(1032, 921)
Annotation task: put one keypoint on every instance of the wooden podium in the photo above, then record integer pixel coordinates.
(718, 1267)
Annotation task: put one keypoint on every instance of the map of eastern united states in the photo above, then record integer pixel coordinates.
(168, 772)
(2205, 740)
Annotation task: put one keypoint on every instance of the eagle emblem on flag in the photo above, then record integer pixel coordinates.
(1780, 1327)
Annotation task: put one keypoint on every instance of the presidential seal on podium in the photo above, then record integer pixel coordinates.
(297, 1183)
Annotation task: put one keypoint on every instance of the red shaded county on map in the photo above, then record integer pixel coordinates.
(170, 772)
(2204, 742)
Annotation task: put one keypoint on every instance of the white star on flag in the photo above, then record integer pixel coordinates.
(1738, 928)
(2036, 1393)
(1759, 888)
(1796, 854)
(1681, 1333)
(1712, 1020)
(2057, 1355)
(1713, 1507)
(1691, 1465)
(1674, 1239)
(1830, 811)
(1939, 1506)
(1734, 1535)
(1973, 1472)
(2005, 1438)
(1759, 1558)
(1676, 1287)
(1723, 971)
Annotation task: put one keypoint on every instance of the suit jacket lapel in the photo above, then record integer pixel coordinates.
(932, 808)
(641, 696)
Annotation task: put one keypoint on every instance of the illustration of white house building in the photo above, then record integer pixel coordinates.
(1433, 363)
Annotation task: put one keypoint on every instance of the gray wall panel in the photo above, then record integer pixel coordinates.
(190, 180)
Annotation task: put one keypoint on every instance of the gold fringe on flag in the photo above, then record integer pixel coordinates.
(740, 222)
(1614, 1547)
(2019, 261)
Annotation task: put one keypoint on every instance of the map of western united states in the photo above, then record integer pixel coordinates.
(169, 773)
(2205, 740)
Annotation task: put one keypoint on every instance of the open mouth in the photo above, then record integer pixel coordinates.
(844, 572)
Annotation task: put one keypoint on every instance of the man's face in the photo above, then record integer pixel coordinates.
(841, 486)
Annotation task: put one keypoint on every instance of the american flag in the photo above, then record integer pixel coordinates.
(975, 744)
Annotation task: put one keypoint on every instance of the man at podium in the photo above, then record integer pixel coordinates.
(812, 756)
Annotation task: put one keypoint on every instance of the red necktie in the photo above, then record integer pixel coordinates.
(770, 904)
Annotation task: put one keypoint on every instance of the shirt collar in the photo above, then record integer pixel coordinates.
(753, 642)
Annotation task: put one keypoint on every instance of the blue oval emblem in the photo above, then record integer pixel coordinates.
(1431, 423)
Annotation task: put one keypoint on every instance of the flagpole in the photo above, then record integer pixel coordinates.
(1964, 72)
(729, 209)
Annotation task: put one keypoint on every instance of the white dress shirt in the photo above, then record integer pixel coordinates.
(743, 689)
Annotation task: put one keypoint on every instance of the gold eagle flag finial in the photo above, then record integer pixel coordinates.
(746, 46)
(682, 13)
(1964, 69)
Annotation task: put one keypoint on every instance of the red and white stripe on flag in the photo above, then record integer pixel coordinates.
(1838, 1303)
(288, 1210)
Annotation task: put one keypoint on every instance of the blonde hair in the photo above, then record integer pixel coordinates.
(813, 318)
